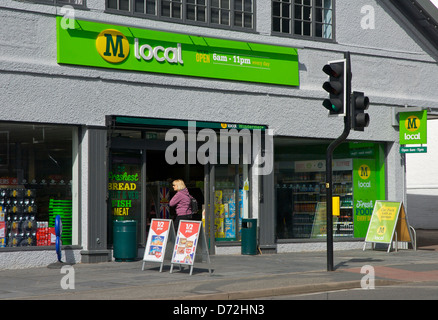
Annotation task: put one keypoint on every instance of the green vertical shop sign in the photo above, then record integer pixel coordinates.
(128, 48)
(366, 192)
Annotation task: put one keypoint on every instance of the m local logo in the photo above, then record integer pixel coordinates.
(364, 173)
(113, 46)
(412, 124)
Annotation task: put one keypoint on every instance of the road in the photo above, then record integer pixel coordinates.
(427, 290)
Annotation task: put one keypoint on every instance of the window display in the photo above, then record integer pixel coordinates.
(225, 215)
(358, 181)
(307, 189)
(230, 203)
(35, 184)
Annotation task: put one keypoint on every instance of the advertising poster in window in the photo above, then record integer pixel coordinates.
(2, 234)
(124, 186)
(157, 240)
(186, 242)
(319, 226)
(366, 191)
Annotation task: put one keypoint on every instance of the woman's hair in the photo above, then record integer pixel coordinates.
(179, 184)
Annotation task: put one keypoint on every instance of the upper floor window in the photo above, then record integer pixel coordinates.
(215, 13)
(306, 18)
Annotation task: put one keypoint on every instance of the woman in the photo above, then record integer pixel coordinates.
(181, 200)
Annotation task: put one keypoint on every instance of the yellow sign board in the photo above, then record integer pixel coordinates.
(387, 218)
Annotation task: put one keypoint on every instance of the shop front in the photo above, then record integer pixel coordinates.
(125, 109)
(213, 159)
(39, 180)
(146, 155)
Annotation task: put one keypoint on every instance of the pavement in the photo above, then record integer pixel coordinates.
(232, 277)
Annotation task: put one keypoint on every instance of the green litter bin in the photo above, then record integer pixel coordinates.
(125, 240)
(249, 236)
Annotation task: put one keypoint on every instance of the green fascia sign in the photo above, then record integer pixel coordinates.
(413, 127)
(127, 48)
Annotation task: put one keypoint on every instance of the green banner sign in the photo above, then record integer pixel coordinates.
(413, 127)
(365, 191)
(120, 47)
(383, 222)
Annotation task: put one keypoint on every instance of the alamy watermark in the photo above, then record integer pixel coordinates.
(368, 280)
(68, 17)
(68, 281)
(368, 20)
(215, 147)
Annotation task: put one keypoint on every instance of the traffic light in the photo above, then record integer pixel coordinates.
(359, 103)
(336, 87)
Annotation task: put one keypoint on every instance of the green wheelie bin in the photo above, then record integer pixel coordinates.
(125, 240)
(249, 236)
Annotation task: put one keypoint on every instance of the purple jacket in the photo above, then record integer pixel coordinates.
(182, 202)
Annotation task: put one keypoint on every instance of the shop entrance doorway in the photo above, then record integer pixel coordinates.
(140, 180)
(159, 191)
(139, 185)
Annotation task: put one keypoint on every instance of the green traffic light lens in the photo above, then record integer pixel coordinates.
(327, 103)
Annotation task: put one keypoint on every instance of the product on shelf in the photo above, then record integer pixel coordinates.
(45, 235)
(18, 224)
(63, 208)
(225, 214)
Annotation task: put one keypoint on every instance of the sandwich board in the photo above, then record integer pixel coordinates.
(190, 239)
(161, 233)
(389, 218)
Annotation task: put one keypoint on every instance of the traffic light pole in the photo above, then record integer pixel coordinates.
(329, 175)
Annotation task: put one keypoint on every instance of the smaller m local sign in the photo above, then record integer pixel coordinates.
(413, 127)
(120, 47)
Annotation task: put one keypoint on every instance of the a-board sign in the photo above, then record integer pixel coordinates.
(387, 218)
(190, 237)
(161, 232)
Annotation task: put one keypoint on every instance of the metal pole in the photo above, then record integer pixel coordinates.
(329, 191)
(329, 178)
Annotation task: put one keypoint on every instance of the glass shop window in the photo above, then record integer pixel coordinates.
(35, 184)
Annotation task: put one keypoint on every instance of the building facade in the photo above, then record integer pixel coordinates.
(104, 103)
